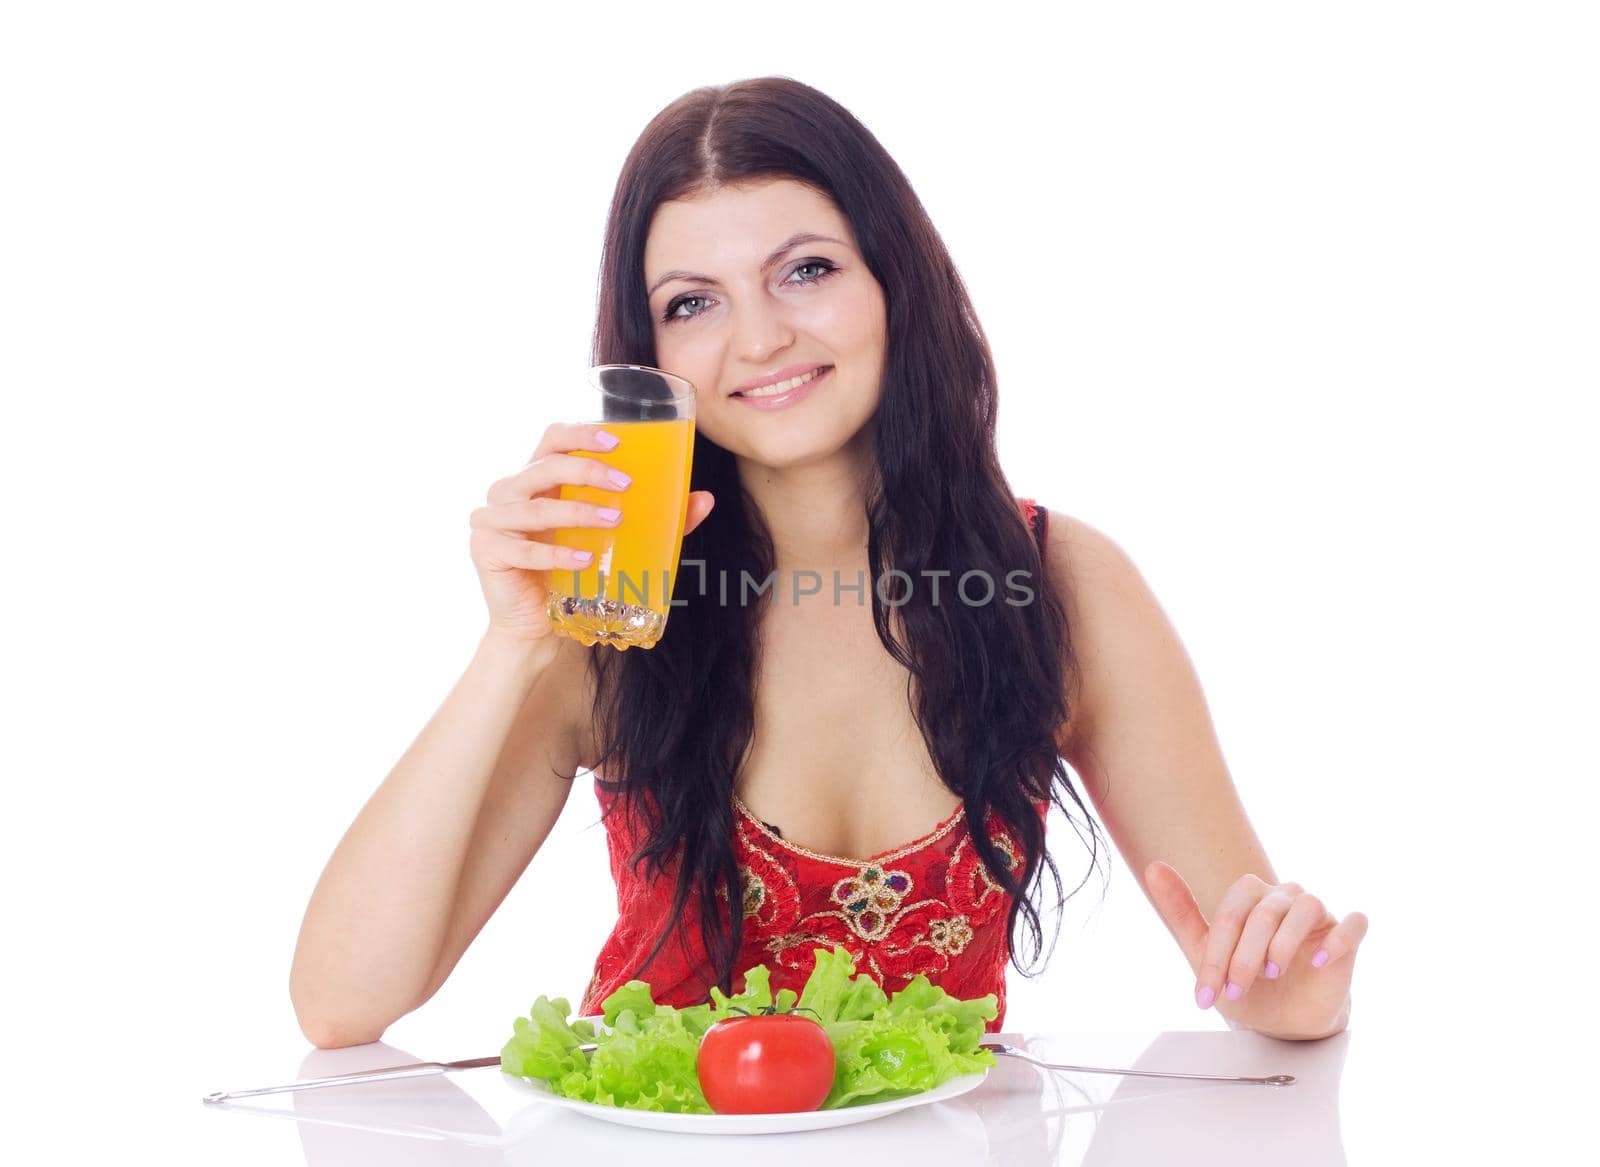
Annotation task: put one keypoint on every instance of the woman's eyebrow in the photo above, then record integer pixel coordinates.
(786, 246)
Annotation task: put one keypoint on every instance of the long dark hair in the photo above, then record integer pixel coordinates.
(992, 683)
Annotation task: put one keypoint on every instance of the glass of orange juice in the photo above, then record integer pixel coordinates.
(623, 597)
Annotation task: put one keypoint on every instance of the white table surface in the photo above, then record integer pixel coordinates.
(1019, 1116)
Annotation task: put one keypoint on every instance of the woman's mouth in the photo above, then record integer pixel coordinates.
(784, 393)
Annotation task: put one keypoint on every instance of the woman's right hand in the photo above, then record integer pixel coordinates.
(512, 541)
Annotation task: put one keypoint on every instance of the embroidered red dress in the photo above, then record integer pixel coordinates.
(928, 907)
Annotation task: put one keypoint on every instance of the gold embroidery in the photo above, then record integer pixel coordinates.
(950, 937)
(870, 898)
(755, 891)
(803, 935)
(1009, 856)
(920, 937)
(1003, 842)
(870, 905)
(768, 892)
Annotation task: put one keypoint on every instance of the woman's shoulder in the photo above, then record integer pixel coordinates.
(1080, 554)
(1070, 541)
(1116, 623)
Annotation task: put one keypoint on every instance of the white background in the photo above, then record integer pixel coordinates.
(1297, 302)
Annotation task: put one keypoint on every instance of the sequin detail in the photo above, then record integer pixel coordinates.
(872, 913)
(870, 899)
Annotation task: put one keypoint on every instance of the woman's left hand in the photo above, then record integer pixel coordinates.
(1272, 958)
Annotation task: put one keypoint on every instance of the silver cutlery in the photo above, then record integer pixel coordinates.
(422, 1069)
(1001, 1047)
(414, 1070)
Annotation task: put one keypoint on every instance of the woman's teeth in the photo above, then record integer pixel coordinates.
(781, 386)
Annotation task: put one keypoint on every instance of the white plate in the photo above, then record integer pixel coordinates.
(751, 1124)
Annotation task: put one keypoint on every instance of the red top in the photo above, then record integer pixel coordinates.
(926, 907)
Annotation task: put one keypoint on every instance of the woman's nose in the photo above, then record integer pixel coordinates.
(760, 331)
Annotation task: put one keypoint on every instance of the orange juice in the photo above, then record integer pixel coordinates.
(622, 597)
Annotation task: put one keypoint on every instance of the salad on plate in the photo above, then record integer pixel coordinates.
(841, 1042)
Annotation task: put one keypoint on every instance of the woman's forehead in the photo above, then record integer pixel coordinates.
(738, 226)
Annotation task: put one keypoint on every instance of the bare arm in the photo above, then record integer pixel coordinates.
(1149, 758)
(526, 793)
(386, 906)
(437, 847)
(1142, 739)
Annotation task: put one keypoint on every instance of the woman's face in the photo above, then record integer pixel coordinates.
(752, 283)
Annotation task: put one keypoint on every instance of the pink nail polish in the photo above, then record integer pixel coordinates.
(1272, 971)
(1205, 996)
(1234, 991)
(1320, 959)
(607, 441)
(619, 478)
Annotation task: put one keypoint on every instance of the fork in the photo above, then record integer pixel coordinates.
(422, 1069)
(413, 1070)
(1001, 1047)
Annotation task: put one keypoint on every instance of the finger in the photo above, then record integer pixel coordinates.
(700, 504)
(497, 551)
(1342, 941)
(1250, 957)
(1176, 906)
(1227, 925)
(1305, 915)
(543, 514)
(551, 470)
(562, 435)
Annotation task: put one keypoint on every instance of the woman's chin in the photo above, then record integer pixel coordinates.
(793, 451)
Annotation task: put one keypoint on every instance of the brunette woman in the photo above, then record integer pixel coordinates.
(867, 763)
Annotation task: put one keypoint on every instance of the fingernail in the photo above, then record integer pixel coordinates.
(1272, 971)
(583, 556)
(606, 440)
(609, 514)
(619, 479)
(1320, 959)
(1205, 996)
(1234, 991)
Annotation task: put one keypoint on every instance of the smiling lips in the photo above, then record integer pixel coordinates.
(779, 387)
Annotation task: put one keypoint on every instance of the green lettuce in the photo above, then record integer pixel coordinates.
(884, 1047)
(897, 1046)
(645, 1059)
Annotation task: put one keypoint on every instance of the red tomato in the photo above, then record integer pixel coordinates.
(765, 1064)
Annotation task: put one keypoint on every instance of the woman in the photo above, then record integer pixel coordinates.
(763, 245)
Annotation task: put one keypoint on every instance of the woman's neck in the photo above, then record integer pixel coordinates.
(816, 513)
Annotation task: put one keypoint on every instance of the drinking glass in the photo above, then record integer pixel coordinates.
(623, 597)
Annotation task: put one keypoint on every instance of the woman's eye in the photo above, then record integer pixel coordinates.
(823, 268)
(672, 312)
